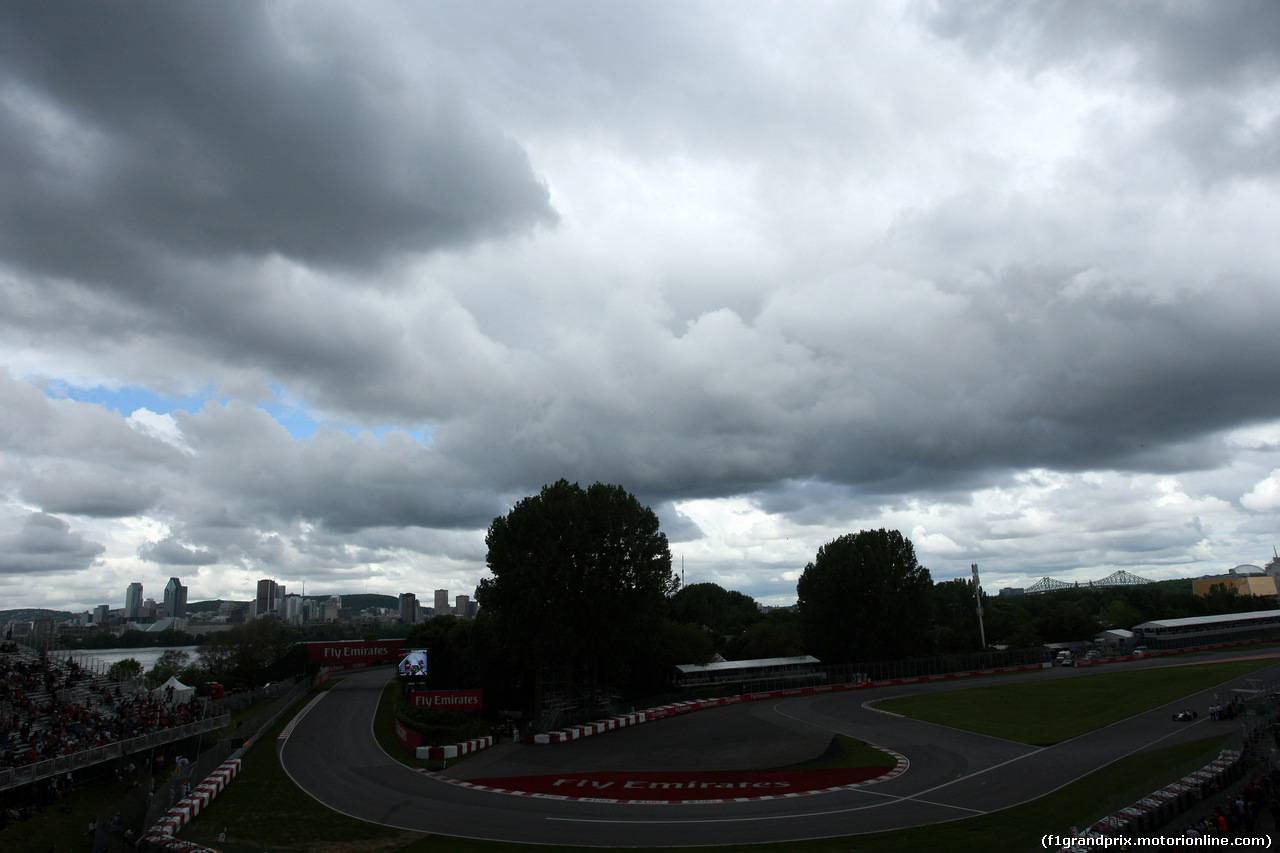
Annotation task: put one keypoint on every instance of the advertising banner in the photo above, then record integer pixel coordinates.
(408, 736)
(350, 654)
(449, 700)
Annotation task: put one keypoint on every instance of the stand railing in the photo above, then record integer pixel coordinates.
(15, 776)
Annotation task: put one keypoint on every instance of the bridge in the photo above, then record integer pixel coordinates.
(1120, 578)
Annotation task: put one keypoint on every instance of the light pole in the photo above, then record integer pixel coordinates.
(977, 594)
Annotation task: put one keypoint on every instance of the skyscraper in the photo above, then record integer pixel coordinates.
(270, 594)
(175, 599)
(133, 601)
(442, 602)
(408, 608)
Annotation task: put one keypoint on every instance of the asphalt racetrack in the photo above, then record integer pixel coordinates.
(943, 774)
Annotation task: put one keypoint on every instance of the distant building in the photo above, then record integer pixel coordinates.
(1013, 590)
(175, 599)
(232, 611)
(1245, 580)
(462, 606)
(1272, 568)
(1116, 641)
(408, 608)
(330, 609)
(133, 601)
(442, 602)
(270, 594)
(290, 609)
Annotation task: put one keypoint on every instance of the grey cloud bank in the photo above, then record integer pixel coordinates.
(1001, 276)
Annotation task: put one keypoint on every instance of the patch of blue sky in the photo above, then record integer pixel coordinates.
(128, 399)
(422, 434)
(297, 421)
(297, 418)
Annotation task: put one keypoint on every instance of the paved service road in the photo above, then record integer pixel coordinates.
(332, 754)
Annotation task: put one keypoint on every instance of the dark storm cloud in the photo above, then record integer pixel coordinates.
(38, 543)
(171, 552)
(131, 130)
(331, 479)
(1029, 370)
(36, 428)
(1007, 280)
(1186, 46)
(89, 490)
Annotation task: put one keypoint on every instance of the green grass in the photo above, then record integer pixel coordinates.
(270, 815)
(384, 730)
(1058, 709)
(846, 751)
(263, 812)
(53, 829)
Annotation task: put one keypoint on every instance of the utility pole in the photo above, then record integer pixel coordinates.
(977, 594)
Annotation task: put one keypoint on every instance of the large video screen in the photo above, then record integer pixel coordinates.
(414, 663)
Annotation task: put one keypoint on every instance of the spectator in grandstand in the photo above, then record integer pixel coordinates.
(47, 719)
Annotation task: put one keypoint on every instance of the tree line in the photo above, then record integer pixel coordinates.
(582, 606)
(245, 655)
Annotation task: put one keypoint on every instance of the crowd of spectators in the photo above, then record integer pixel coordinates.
(53, 708)
(1252, 810)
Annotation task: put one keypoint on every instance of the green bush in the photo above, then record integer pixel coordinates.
(438, 727)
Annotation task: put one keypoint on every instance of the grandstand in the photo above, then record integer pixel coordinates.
(57, 716)
(1208, 630)
(748, 672)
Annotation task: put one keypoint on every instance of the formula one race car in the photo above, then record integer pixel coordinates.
(1185, 714)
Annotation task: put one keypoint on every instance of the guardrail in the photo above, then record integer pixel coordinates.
(15, 776)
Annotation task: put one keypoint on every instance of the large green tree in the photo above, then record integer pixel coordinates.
(723, 611)
(580, 580)
(864, 597)
(245, 652)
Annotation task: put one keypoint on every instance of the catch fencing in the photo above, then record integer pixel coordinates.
(13, 777)
(560, 710)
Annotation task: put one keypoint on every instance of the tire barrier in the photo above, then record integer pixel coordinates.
(161, 836)
(454, 750)
(1153, 811)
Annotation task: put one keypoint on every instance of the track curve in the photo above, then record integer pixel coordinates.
(332, 754)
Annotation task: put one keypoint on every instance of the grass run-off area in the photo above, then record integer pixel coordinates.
(1058, 709)
(262, 811)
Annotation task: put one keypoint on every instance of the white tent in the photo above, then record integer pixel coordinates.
(174, 692)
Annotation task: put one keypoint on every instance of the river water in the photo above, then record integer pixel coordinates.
(147, 657)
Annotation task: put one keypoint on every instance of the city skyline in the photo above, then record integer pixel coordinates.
(141, 587)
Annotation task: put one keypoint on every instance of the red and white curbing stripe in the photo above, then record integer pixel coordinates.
(898, 769)
(161, 836)
(454, 750)
(577, 732)
(297, 718)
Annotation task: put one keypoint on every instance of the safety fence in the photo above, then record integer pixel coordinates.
(1168, 812)
(562, 711)
(13, 777)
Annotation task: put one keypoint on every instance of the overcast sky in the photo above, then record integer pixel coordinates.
(314, 291)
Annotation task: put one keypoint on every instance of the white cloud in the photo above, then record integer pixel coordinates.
(162, 427)
(1265, 495)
